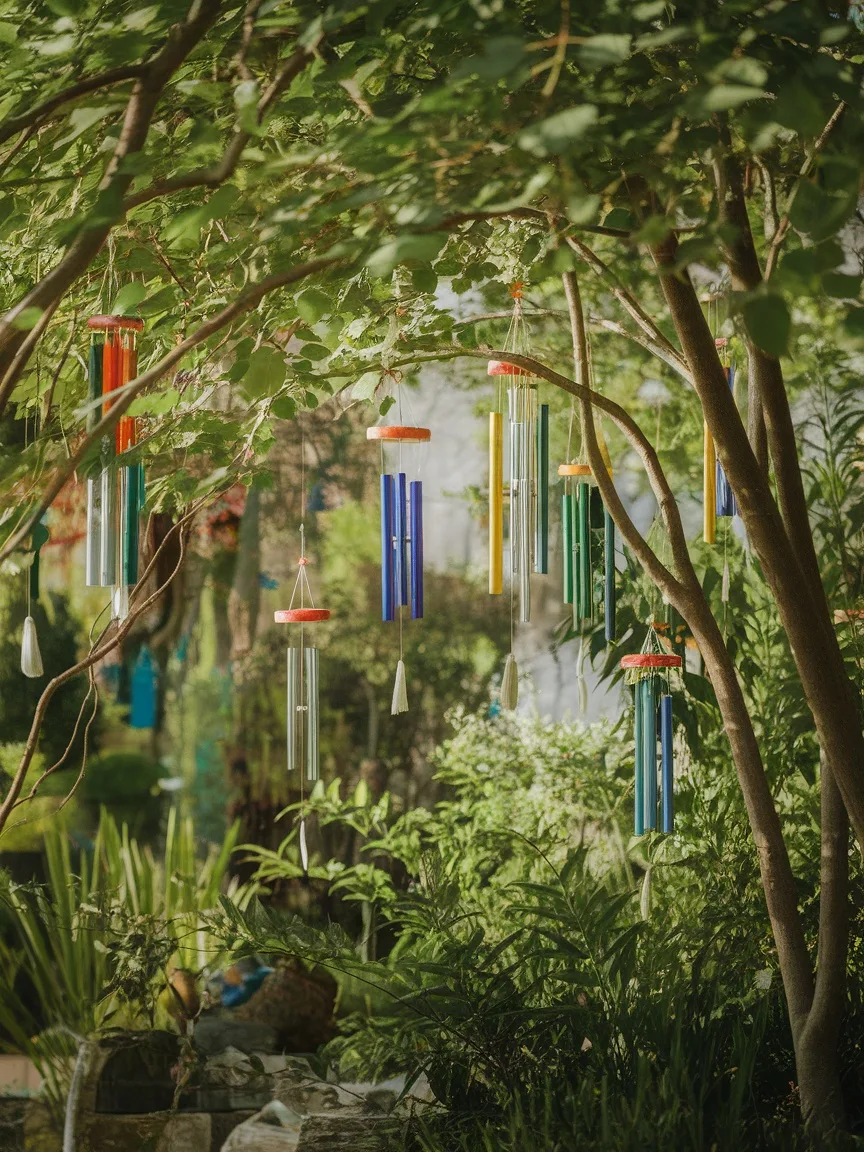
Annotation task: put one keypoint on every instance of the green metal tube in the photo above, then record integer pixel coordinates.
(130, 527)
(575, 553)
(609, 601)
(567, 543)
(584, 538)
(541, 519)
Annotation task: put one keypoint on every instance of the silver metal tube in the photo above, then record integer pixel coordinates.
(313, 762)
(531, 472)
(292, 706)
(513, 519)
(108, 540)
(93, 569)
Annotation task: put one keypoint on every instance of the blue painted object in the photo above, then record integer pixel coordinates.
(666, 766)
(388, 583)
(416, 550)
(142, 713)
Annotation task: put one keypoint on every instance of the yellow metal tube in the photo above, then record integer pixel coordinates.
(496, 504)
(709, 488)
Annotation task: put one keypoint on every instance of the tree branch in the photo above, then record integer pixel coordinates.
(13, 373)
(216, 174)
(831, 696)
(647, 557)
(39, 112)
(784, 225)
(632, 307)
(643, 341)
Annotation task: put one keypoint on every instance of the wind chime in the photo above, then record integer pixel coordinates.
(302, 695)
(718, 497)
(401, 541)
(650, 673)
(528, 489)
(115, 492)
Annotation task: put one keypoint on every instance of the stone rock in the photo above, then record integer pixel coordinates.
(41, 1132)
(214, 1033)
(178, 1132)
(274, 1129)
(298, 1004)
(278, 1129)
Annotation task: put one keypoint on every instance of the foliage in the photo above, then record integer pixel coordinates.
(126, 785)
(90, 950)
(400, 145)
(553, 975)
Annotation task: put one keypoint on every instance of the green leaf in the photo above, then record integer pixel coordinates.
(423, 247)
(768, 323)
(314, 351)
(424, 279)
(608, 48)
(500, 56)
(284, 407)
(559, 131)
(798, 108)
(8, 33)
(365, 387)
(841, 286)
(266, 372)
(721, 97)
(128, 298)
(312, 304)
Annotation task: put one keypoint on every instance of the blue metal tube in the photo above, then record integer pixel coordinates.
(388, 584)
(649, 753)
(667, 766)
(725, 497)
(416, 535)
(400, 517)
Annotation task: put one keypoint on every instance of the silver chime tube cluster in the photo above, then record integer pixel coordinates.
(523, 490)
(302, 714)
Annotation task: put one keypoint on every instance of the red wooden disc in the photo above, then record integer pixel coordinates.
(650, 660)
(105, 322)
(502, 368)
(301, 615)
(397, 432)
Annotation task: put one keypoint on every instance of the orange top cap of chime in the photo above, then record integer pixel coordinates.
(114, 323)
(650, 660)
(503, 368)
(398, 433)
(301, 615)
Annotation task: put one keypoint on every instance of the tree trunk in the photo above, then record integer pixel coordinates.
(830, 694)
(816, 1044)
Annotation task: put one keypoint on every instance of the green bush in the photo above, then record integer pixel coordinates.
(127, 785)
